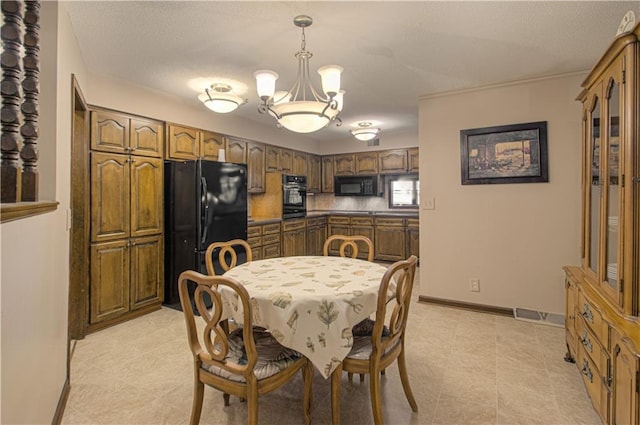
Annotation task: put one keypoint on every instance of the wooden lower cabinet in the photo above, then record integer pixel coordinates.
(126, 275)
(363, 226)
(390, 239)
(599, 340)
(337, 225)
(109, 280)
(294, 237)
(413, 237)
(294, 243)
(316, 235)
(625, 369)
(265, 240)
(147, 270)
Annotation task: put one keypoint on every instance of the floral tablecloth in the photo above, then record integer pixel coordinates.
(310, 304)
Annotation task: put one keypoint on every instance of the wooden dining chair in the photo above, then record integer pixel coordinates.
(372, 354)
(227, 247)
(351, 242)
(247, 362)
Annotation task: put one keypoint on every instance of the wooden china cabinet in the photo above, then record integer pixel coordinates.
(603, 293)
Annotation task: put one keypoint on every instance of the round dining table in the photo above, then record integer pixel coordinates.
(309, 303)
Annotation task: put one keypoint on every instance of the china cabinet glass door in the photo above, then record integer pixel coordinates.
(594, 187)
(612, 108)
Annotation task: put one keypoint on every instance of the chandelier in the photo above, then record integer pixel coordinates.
(365, 132)
(302, 109)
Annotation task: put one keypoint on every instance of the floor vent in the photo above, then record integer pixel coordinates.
(541, 317)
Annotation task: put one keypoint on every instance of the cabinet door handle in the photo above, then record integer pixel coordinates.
(586, 371)
(587, 314)
(586, 342)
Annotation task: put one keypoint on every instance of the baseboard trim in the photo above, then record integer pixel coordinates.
(502, 311)
(62, 403)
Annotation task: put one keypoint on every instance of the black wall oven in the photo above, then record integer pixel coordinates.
(294, 196)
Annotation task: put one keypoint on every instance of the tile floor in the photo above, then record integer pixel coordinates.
(464, 367)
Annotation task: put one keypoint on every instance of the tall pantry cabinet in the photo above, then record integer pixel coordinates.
(126, 192)
(603, 293)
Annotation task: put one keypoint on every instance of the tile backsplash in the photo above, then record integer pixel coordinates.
(328, 201)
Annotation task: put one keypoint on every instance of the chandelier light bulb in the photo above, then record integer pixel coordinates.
(330, 75)
(266, 83)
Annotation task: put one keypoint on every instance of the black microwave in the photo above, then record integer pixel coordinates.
(356, 186)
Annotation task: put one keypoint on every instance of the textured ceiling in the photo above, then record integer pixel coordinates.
(392, 52)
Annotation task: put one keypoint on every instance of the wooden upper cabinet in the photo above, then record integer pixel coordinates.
(210, 145)
(285, 161)
(272, 156)
(109, 132)
(344, 164)
(393, 161)
(146, 196)
(367, 163)
(119, 133)
(236, 150)
(299, 163)
(183, 142)
(110, 218)
(146, 137)
(314, 172)
(327, 174)
(186, 143)
(255, 167)
(414, 160)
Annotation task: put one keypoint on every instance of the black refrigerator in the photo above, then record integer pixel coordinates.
(205, 202)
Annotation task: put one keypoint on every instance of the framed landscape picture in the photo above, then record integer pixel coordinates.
(514, 153)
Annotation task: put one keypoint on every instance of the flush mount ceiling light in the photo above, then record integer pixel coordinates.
(365, 132)
(218, 99)
(302, 109)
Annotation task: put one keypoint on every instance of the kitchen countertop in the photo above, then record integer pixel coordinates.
(319, 213)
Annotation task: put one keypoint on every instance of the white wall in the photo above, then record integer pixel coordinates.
(35, 251)
(515, 238)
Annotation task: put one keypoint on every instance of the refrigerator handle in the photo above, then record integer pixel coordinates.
(205, 215)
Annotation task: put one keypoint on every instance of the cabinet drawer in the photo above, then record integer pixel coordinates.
(253, 231)
(367, 221)
(256, 252)
(592, 381)
(271, 239)
(413, 223)
(313, 221)
(271, 228)
(271, 251)
(339, 219)
(293, 224)
(389, 221)
(255, 241)
(590, 344)
(592, 317)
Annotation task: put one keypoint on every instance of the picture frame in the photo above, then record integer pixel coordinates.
(515, 153)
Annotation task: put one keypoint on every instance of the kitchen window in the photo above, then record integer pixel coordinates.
(404, 192)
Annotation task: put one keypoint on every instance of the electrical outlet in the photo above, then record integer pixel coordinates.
(475, 285)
